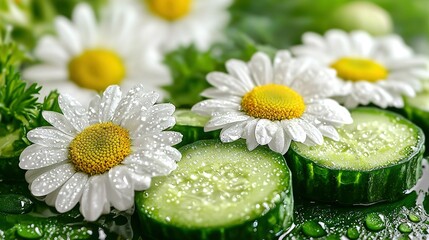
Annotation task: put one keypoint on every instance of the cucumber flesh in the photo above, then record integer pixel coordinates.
(380, 164)
(420, 101)
(187, 117)
(220, 190)
(191, 126)
(375, 139)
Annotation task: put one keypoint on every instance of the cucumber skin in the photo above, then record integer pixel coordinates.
(320, 183)
(418, 117)
(278, 220)
(193, 133)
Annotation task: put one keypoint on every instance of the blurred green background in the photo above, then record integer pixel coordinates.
(279, 23)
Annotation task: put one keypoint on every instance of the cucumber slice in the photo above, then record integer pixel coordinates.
(417, 110)
(378, 158)
(219, 191)
(191, 126)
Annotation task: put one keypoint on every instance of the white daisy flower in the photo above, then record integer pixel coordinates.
(273, 104)
(86, 56)
(372, 70)
(99, 156)
(181, 22)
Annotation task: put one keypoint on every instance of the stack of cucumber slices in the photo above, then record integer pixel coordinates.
(224, 191)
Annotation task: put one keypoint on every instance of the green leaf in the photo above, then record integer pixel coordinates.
(189, 66)
(20, 110)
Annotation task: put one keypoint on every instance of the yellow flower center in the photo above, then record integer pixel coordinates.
(273, 102)
(359, 69)
(170, 10)
(96, 69)
(99, 148)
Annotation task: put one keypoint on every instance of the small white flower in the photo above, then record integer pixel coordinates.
(172, 23)
(86, 56)
(273, 105)
(372, 70)
(99, 156)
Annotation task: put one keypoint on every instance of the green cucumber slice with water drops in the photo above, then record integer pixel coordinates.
(377, 158)
(219, 191)
(417, 110)
(191, 126)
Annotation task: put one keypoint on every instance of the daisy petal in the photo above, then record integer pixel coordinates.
(282, 56)
(329, 131)
(140, 182)
(264, 131)
(158, 140)
(109, 102)
(211, 105)
(294, 130)
(51, 51)
(312, 132)
(73, 111)
(153, 163)
(59, 121)
(51, 198)
(32, 174)
(251, 141)
(71, 192)
(277, 144)
(37, 156)
(261, 68)
(68, 35)
(94, 110)
(51, 180)
(44, 73)
(135, 100)
(239, 70)
(49, 136)
(120, 189)
(226, 83)
(93, 198)
(84, 19)
(232, 133)
(330, 111)
(220, 121)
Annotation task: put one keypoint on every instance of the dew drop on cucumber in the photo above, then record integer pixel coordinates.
(313, 229)
(375, 222)
(405, 228)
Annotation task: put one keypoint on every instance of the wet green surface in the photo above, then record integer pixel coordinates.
(406, 218)
(23, 217)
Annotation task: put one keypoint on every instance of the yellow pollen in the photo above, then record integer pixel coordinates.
(96, 69)
(359, 69)
(170, 10)
(99, 148)
(273, 102)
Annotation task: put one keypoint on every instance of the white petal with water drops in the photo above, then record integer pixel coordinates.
(51, 180)
(71, 192)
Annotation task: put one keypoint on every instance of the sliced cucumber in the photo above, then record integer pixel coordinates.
(219, 191)
(377, 158)
(191, 126)
(417, 110)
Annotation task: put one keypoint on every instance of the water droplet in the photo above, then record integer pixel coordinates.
(414, 217)
(375, 222)
(313, 229)
(15, 204)
(30, 231)
(405, 228)
(353, 233)
(404, 238)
